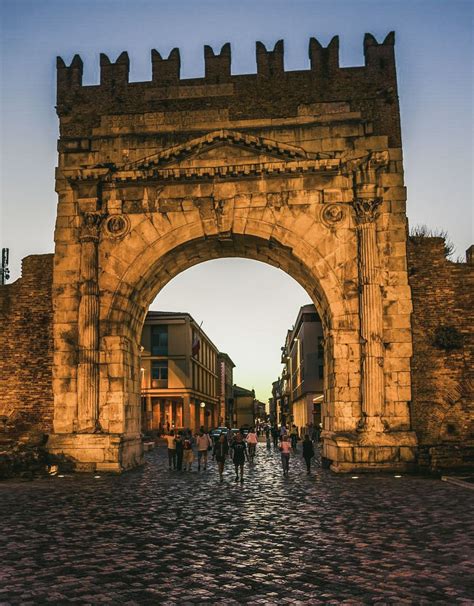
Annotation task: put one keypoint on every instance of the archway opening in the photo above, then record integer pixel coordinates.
(148, 275)
(238, 342)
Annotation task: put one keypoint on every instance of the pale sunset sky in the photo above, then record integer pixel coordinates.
(246, 307)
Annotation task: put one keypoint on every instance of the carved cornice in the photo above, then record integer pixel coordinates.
(352, 162)
(366, 209)
(231, 170)
(288, 159)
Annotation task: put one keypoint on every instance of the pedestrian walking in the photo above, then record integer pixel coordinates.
(308, 453)
(188, 454)
(317, 433)
(171, 442)
(283, 431)
(239, 456)
(230, 440)
(221, 450)
(179, 451)
(267, 436)
(275, 435)
(251, 440)
(285, 448)
(294, 437)
(203, 444)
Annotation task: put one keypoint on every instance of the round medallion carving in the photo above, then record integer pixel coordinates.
(117, 226)
(332, 214)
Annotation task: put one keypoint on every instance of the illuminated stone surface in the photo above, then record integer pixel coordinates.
(301, 170)
(298, 169)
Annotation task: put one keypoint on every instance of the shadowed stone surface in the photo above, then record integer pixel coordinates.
(155, 537)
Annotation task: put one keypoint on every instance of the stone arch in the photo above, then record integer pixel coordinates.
(150, 267)
(123, 311)
(149, 187)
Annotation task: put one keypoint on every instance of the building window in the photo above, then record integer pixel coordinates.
(159, 340)
(159, 374)
(321, 372)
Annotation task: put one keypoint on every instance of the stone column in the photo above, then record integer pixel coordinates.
(371, 320)
(88, 326)
(187, 411)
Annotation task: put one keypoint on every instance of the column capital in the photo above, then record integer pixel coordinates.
(90, 228)
(366, 209)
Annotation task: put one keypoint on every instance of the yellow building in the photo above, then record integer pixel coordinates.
(179, 374)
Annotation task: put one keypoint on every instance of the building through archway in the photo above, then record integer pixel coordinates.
(301, 170)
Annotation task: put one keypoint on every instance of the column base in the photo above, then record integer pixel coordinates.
(98, 451)
(370, 451)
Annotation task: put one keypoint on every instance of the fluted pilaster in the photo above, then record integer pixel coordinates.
(88, 327)
(371, 320)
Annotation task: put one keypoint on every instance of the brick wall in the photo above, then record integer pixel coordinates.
(443, 379)
(26, 345)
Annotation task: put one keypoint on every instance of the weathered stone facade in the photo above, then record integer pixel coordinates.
(26, 346)
(301, 170)
(442, 405)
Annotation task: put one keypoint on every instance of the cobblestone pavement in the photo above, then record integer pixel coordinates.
(157, 537)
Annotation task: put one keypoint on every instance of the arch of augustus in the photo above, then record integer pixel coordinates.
(301, 170)
(298, 169)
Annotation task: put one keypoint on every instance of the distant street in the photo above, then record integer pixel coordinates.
(152, 536)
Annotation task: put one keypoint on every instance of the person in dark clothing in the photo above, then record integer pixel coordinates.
(294, 437)
(275, 436)
(317, 434)
(267, 436)
(220, 452)
(239, 448)
(179, 451)
(308, 453)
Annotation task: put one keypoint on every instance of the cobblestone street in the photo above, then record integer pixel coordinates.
(157, 537)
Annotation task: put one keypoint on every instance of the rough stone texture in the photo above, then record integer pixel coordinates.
(442, 402)
(442, 406)
(282, 167)
(153, 537)
(26, 346)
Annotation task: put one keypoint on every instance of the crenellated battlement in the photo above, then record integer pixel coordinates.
(271, 92)
(324, 61)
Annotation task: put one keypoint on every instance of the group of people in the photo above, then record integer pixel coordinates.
(181, 446)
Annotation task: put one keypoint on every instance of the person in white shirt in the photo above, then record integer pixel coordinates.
(203, 444)
(251, 440)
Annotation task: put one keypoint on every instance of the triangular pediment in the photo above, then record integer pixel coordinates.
(220, 148)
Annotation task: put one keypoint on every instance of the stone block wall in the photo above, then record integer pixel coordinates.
(442, 407)
(173, 106)
(26, 345)
(443, 359)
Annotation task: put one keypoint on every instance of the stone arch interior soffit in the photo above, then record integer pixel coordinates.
(129, 308)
